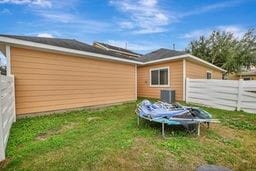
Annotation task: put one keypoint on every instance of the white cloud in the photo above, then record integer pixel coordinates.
(39, 3)
(56, 16)
(236, 30)
(126, 25)
(148, 16)
(5, 11)
(143, 16)
(71, 21)
(208, 8)
(150, 30)
(148, 3)
(48, 35)
(196, 33)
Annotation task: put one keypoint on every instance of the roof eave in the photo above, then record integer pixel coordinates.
(62, 49)
(207, 63)
(181, 57)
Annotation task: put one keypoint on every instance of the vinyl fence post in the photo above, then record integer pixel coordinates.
(187, 87)
(240, 93)
(14, 100)
(2, 149)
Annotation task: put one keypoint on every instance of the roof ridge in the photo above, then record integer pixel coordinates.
(28, 36)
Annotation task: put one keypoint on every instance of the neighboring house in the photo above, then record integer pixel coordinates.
(55, 74)
(245, 75)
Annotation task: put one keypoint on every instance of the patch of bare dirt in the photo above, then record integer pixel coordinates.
(93, 118)
(4, 163)
(143, 155)
(246, 137)
(224, 131)
(45, 135)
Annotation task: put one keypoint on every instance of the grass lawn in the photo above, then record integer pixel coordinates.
(109, 138)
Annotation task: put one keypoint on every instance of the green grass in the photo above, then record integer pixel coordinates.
(109, 138)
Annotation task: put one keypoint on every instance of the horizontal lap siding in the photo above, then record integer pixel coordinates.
(176, 80)
(50, 81)
(198, 71)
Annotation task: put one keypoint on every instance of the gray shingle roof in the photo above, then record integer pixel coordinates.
(69, 43)
(161, 54)
(77, 45)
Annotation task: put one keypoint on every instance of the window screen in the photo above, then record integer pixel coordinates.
(159, 76)
(209, 75)
(154, 77)
(163, 76)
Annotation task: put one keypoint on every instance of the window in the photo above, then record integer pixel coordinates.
(208, 75)
(159, 77)
(247, 78)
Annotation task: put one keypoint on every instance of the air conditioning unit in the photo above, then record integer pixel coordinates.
(167, 96)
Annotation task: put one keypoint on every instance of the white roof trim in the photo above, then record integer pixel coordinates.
(166, 59)
(205, 62)
(184, 56)
(62, 49)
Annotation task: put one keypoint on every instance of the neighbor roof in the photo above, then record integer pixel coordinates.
(116, 49)
(247, 73)
(161, 54)
(68, 43)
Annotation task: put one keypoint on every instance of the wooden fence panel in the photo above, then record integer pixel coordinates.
(223, 94)
(7, 110)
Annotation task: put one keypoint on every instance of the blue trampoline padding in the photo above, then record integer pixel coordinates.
(154, 111)
(166, 121)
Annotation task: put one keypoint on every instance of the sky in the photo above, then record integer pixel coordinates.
(145, 25)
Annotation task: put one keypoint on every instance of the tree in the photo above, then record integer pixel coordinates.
(225, 50)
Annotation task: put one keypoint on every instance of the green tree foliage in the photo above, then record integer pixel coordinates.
(225, 50)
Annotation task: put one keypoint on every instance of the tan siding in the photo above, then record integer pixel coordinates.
(50, 81)
(176, 80)
(198, 71)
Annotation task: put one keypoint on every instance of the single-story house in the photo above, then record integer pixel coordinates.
(245, 75)
(54, 74)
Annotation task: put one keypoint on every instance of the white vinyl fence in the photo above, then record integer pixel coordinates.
(7, 110)
(223, 94)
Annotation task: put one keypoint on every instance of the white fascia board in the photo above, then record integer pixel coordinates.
(166, 59)
(184, 56)
(205, 62)
(62, 49)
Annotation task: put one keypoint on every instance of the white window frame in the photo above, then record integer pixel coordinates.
(168, 80)
(210, 73)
